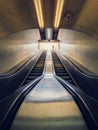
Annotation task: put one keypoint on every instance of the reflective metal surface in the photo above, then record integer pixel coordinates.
(49, 107)
(52, 116)
(48, 65)
(48, 90)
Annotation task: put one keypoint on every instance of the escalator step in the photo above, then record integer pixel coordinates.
(60, 70)
(70, 81)
(62, 73)
(27, 81)
(32, 77)
(66, 77)
(35, 74)
(37, 69)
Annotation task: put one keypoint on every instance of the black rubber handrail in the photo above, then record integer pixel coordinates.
(87, 105)
(10, 74)
(10, 106)
(43, 55)
(71, 78)
(12, 82)
(89, 84)
(78, 69)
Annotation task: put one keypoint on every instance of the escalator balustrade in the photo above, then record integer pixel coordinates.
(37, 69)
(60, 70)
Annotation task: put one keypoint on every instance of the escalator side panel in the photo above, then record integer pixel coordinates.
(60, 70)
(37, 70)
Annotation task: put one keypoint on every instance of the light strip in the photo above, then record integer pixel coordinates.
(58, 13)
(39, 12)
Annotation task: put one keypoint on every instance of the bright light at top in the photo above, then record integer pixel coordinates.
(48, 45)
(39, 12)
(59, 8)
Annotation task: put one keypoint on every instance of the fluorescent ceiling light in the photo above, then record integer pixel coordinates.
(39, 12)
(58, 12)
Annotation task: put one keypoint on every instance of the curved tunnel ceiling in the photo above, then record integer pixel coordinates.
(19, 15)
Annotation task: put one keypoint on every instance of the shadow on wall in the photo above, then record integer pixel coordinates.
(17, 47)
(80, 47)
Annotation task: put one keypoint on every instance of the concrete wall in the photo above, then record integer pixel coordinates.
(17, 47)
(80, 47)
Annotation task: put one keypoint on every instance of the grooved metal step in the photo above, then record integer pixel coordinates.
(60, 70)
(37, 69)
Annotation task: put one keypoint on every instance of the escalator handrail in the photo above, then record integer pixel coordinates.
(78, 94)
(32, 67)
(78, 69)
(66, 68)
(20, 94)
(12, 70)
(36, 56)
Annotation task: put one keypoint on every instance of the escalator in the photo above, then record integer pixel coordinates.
(11, 104)
(47, 104)
(60, 69)
(86, 104)
(37, 70)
